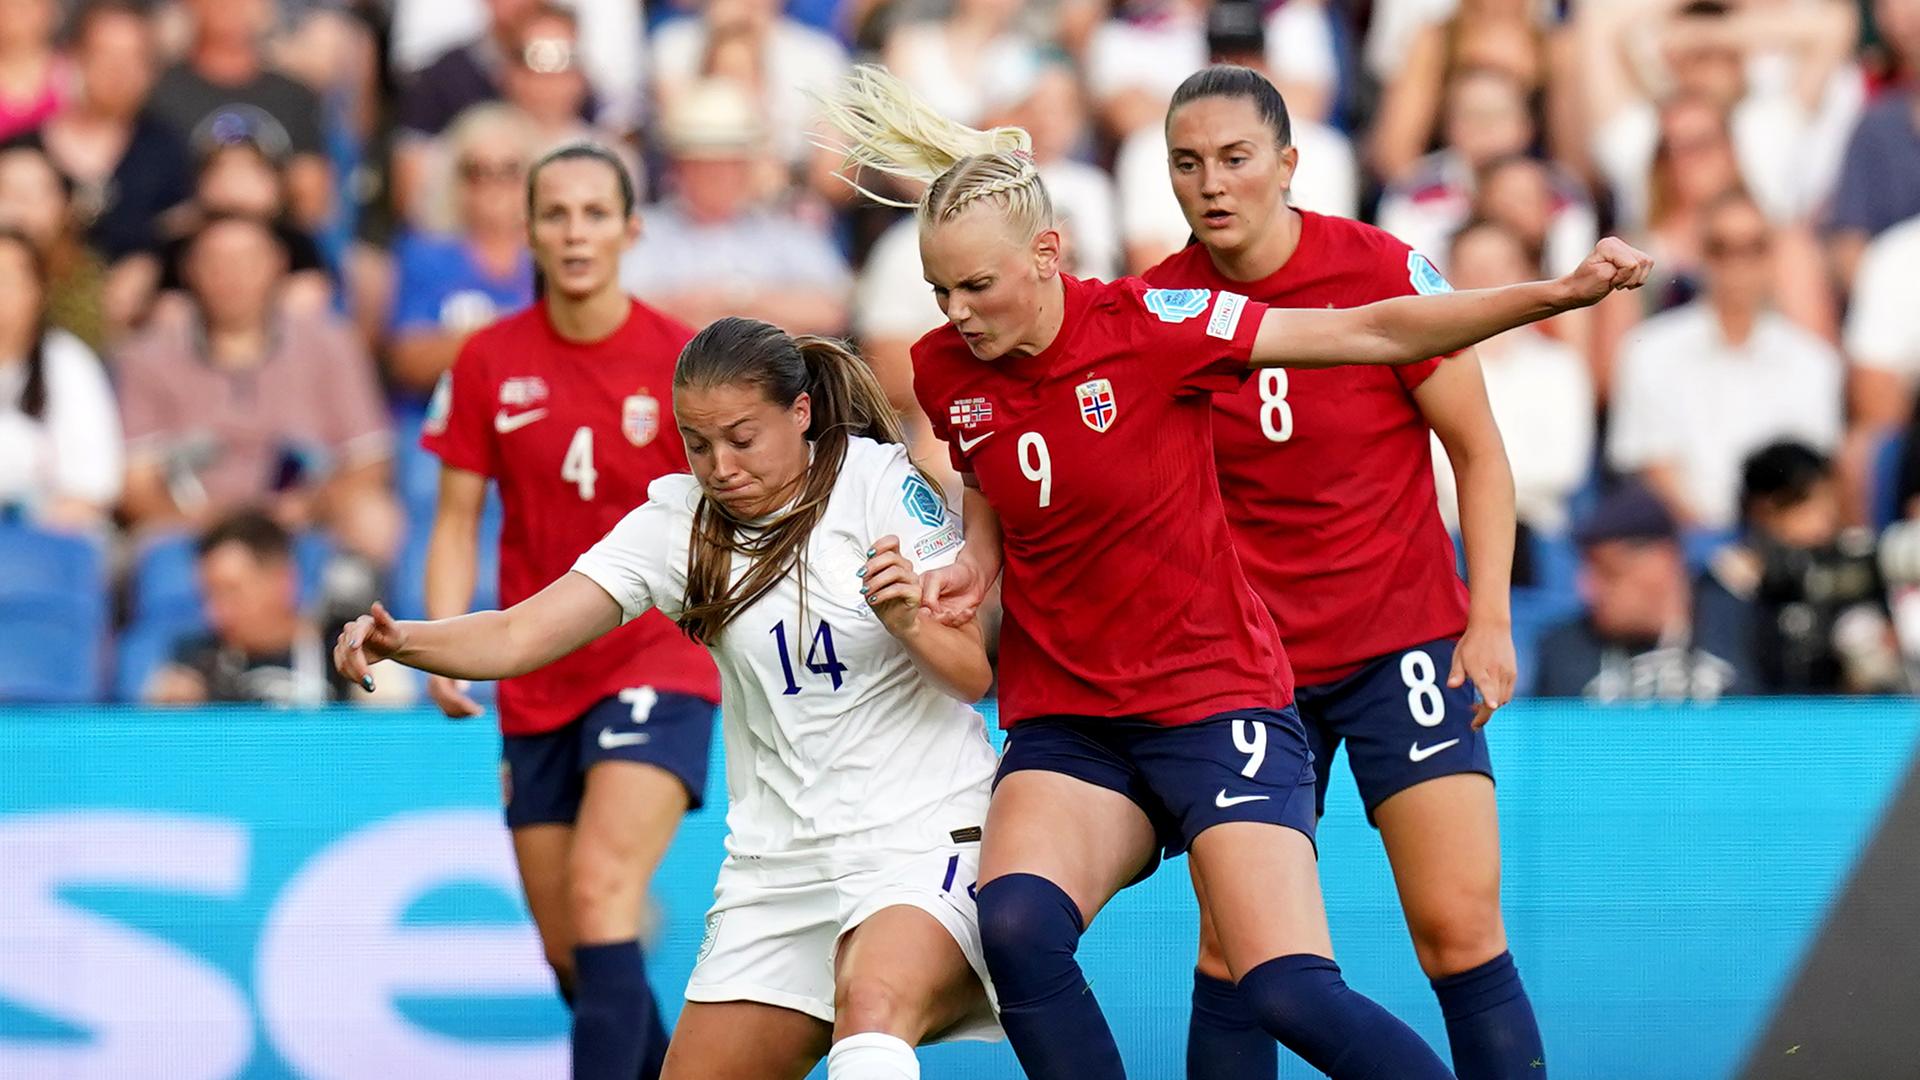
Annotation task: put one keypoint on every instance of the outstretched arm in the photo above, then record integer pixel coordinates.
(486, 644)
(1410, 328)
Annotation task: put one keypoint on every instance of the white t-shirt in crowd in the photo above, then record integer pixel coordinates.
(834, 740)
(923, 57)
(1152, 56)
(798, 59)
(1883, 325)
(1686, 397)
(1541, 393)
(892, 298)
(75, 450)
(760, 249)
(1327, 182)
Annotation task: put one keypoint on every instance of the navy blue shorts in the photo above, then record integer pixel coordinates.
(1243, 765)
(542, 777)
(1401, 722)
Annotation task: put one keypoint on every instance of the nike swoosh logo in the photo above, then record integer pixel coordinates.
(506, 424)
(966, 446)
(610, 741)
(1222, 801)
(1417, 753)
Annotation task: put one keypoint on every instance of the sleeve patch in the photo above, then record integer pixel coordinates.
(1176, 305)
(945, 539)
(1226, 316)
(1425, 278)
(922, 502)
(440, 406)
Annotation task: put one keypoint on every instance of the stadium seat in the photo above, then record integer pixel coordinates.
(53, 616)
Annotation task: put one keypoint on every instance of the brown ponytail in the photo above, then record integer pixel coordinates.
(847, 401)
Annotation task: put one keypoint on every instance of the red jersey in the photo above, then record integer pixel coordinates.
(573, 433)
(1124, 597)
(1327, 473)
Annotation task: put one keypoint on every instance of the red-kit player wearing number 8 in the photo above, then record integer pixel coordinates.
(1142, 682)
(1328, 482)
(567, 406)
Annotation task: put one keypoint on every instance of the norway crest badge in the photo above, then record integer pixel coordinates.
(1097, 406)
(640, 418)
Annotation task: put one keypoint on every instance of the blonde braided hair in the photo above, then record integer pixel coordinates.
(890, 129)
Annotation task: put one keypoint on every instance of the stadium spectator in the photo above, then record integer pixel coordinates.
(260, 648)
(240, 179)
(466, 74)
(1486, 121)
(1821, 622)
(224, 91)
(1883, 341)
(1540, 391)
(1879, 183)
(1781, 72)
(716, 249)
(1501, 35)
(1648, 633)
(1138, 56)
(1039, 93)
(35, 80)
(37, 199)
(1693, 166)
(452, 51)
(61, 458)
(1326, 180)
(954, 61)
(457, 280)
(249, 404)
(128, 168)
(1703, 386)
(780, 59)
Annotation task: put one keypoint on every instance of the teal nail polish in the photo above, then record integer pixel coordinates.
(367, 682)
(870, 553)
(862, 573)
(863, 590)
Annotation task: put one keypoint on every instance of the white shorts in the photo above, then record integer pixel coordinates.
(775, 925)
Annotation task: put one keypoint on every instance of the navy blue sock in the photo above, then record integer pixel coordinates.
(1303, 1002)
(1030, 930)
(1490, 1023)
(613, 1001)
(1224, 1041)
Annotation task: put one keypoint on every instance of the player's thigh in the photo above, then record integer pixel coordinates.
(744, 1040)
(1087, 839)
(902, 972)
(1443, 839)
(541, 853)
(1403, 726)
(627, 819)
(1260, 885)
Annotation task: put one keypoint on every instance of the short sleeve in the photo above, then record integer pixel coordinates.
(145, 417)
(902, 503)
(88, 461)
(1883, 327)
(632, 562)
(457, 428)
(1206, 335)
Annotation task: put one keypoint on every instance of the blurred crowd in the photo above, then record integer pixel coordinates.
(242, 240)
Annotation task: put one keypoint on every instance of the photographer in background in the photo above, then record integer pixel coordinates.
(1821, 623)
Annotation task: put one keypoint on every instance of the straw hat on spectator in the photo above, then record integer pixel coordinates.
(715, 118)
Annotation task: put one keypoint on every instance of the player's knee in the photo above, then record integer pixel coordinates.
(1290, 995)
(600, 886)
(1029, 930)
(1457, 937)
(867, 1003)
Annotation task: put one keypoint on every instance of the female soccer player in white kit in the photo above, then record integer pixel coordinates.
(843, 921)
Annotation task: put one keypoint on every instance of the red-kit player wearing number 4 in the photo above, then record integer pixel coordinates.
(567, 406)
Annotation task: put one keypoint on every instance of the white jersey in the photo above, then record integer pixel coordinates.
(833, 737)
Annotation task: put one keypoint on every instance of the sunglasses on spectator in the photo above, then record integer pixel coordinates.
(475, 172)
(1737, 248)
(547, 56)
